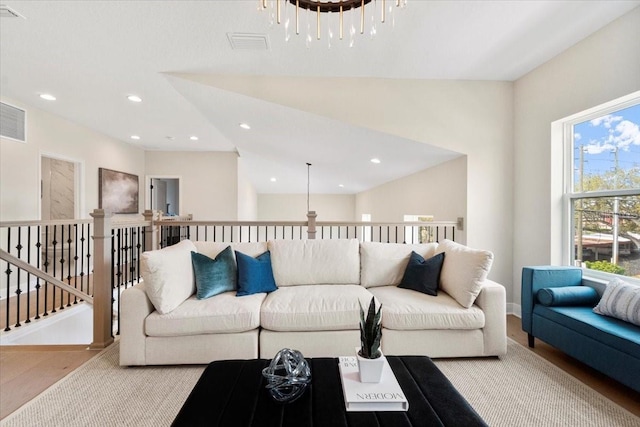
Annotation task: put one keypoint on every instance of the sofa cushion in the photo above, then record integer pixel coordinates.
(384, 264)
(568, 295)
(310, 262)
(212, 249)
(168, 275)
(463, 271)
(620, 300)
(404, 309)
(423, 275)
(214, 276)
(314, 308)
(254, 274)
(615, 333)
(223, 313)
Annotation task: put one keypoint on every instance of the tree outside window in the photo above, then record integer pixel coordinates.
(605, 194)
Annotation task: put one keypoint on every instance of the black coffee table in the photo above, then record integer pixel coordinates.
(232, 393)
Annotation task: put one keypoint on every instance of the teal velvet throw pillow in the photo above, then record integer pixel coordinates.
(214, 276)
(254, 274)
(423, 275)
(568, 295)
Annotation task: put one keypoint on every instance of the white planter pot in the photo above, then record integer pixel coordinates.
(370, 369)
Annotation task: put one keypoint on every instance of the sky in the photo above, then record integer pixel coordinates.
(602, 137)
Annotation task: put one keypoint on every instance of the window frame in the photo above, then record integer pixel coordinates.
(570, 195)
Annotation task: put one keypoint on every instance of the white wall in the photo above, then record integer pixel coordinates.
(293, 207)
(209, 181)
(440, 191)
(247, 195)
(57, 137)
(600, 68)
(474, 118)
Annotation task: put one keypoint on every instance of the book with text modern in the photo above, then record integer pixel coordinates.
(383, 396)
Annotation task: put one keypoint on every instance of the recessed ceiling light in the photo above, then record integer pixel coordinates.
(136, 137)
(273, 180)
(375, 160)
(341, 185)
(47, 96)
(134, 98)
(245, 126)
(193, 138)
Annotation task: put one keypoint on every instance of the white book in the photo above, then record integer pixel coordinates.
(383, 396)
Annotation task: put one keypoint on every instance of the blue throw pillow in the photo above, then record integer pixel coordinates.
(568, 295)
(423, 275)
(254, 274)
(214, 276)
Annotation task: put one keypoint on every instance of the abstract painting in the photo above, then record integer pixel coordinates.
(118, 191)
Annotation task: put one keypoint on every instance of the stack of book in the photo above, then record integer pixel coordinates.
(383, 396)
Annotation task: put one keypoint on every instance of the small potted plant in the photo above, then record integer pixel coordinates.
(370, 360)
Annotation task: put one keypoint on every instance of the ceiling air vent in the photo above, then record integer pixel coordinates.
(12, 122)
(247, 41)
(7, 12)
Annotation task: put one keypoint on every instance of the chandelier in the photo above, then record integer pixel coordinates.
(353, 10)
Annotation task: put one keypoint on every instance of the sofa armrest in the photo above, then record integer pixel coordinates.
(135, 306)
(546, 276)
(492, 300)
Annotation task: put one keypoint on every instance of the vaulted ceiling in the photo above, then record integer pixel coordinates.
(177, 56)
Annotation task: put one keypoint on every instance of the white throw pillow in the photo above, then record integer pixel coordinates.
(384, 264)
(168, 275)
(463, 271)
(315, 262)
(620, 300)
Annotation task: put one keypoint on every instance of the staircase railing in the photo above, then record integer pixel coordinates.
(60, 263)
(60, 251)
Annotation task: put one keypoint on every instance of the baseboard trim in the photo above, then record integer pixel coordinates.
(515, 309)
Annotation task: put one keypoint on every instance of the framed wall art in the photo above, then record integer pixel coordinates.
(118, 191)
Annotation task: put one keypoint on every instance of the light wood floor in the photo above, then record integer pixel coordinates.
(26, 371)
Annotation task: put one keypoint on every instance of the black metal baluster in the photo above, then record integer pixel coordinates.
(68, 261)
(438, 234)
(46, 269)
(8, 273)
(54, 243)
(75, 261)
(445, 232)
(89, 277)
(39, 253)
(28, 319)
(18, 290)
(139, 247)
(62, 261)
(453, 233)
(113, 269)
(82, 259)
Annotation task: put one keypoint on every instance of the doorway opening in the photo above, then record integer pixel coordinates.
(59, 188)
(164, 194)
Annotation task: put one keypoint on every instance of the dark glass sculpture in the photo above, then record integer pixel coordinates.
(287, 375)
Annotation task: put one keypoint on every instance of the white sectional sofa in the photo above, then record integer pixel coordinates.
(316, 306)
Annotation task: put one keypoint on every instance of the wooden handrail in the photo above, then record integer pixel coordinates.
(44, 223)
(6, 256)
(304, 223)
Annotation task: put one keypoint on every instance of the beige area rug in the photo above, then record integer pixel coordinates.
(519, 389)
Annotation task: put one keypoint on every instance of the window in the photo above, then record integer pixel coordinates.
(602, 194)
(421, 234)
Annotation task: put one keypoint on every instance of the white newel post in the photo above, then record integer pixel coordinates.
(311, 224)
(152, 232)
(102, 292)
